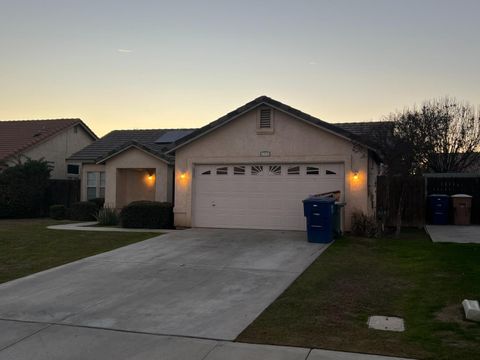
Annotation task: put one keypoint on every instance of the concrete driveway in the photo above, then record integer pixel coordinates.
(201, 283)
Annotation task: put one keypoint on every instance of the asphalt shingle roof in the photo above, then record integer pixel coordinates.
(369, 131)
(117, 140)
(17, 136)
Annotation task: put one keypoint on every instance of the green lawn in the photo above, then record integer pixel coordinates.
(26, 246)
(329, 304)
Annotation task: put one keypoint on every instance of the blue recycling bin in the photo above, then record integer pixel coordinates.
(438, 206)
(319, 212)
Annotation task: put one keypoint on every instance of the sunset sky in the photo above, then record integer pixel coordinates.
(171, 64)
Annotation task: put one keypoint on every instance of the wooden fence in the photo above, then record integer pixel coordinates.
(388, 197)
(417, 189)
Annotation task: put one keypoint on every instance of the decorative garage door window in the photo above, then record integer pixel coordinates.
(311, 170)
(293, 170)
(222, 170)
(239, 170)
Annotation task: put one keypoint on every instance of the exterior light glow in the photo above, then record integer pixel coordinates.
(182, 176)
(355, 175)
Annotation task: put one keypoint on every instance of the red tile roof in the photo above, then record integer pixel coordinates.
(19, 135)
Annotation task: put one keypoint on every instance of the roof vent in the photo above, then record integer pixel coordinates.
(265, 121)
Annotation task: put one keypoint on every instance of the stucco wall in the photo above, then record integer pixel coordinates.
(135, 159)
(58, 148)
(292, 141)
(134, 185)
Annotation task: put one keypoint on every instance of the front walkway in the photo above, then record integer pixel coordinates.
(454, 233)
(91, 226)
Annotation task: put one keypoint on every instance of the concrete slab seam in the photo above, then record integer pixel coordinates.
(26, 337)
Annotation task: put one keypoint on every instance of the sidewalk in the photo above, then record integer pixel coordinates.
(46, 341)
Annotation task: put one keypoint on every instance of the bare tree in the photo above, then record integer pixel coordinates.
(441, 135)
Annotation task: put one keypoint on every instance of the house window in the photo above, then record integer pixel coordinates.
(206, 172)
(95, 184)
(265, 121)
(312, 170)
(73, 169)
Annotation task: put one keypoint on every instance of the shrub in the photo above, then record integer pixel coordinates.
(100, 202)
(147, 214)
(107, 216)
(58, 212)
(83, 211)
(364, 225)
(23, 189)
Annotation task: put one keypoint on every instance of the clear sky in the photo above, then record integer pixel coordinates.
(166, 64)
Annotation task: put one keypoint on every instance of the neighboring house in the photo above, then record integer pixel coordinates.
(253, 167)
(249, 169)
(128, 165)
(53, 140)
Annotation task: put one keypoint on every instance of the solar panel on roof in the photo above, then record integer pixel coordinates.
(172, 136)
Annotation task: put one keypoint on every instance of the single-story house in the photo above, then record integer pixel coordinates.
(52, 140)
(249, 169)
(128, 165)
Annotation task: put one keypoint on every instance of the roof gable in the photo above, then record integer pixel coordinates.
(20, 135)
(262, 101)
(133, 145)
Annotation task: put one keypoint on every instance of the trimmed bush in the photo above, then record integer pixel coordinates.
(107, 216)
(364, 225)
(58, 212)
(83, 211)
(100, 202)
(148, 215)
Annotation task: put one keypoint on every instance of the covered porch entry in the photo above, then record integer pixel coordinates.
(135, 184)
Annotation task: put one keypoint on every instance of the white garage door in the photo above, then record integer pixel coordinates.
(259, 196)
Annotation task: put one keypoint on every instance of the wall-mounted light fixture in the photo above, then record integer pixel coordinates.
(355, 175)
(183, 176)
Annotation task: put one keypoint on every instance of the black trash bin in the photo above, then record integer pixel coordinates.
(438, 206)
(319, 212)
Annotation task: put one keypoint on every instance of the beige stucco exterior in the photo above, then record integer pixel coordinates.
(292, 141)
(132, 175)
(58, 148)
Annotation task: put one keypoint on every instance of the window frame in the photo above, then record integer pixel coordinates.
(99, 185)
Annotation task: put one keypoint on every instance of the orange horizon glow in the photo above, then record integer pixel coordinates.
(172, 68)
